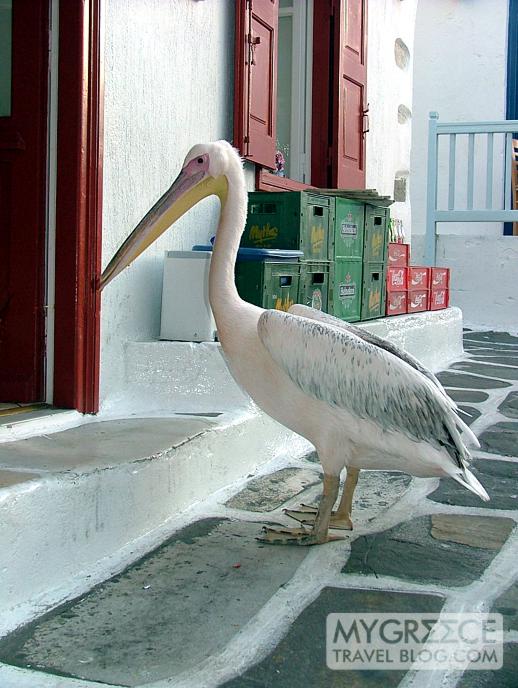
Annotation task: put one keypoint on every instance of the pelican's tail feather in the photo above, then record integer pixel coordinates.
(468, 480)
(468, 433)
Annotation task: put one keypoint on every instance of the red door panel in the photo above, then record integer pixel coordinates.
(339, 93)
(351, 135)
(23, 138)
(349, 164)
(255, 80)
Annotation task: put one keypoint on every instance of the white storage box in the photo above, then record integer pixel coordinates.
(186, 313)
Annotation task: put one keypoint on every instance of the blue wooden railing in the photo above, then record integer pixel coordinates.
(484, 208)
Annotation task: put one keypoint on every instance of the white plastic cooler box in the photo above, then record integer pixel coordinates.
(186, 312)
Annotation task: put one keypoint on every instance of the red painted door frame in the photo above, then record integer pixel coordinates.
(79, 206)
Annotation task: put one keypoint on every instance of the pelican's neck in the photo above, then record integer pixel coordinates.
(223, 294)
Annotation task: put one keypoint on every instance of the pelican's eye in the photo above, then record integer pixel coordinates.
(200, 161)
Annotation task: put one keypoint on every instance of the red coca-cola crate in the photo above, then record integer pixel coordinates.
(418, 300)
(418, 277)
(439, 298)
(397, 278)
(396, 302)
(440, 278)
(398, 255)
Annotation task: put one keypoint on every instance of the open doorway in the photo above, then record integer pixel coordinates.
(50, 204)
(294, 70)
(24, 28)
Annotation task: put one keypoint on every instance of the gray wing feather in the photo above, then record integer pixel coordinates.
(338, 367)
(313, 314)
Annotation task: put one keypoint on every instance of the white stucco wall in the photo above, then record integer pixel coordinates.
(484, 275)
(168, 85)
(460, 72)
(388, 87)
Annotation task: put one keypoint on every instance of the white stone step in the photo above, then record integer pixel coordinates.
(193, 377)
(76, 503)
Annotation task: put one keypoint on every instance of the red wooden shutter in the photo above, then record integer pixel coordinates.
(348, 169)
(256, 80)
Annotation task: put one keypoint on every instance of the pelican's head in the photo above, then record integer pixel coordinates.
(205, 172)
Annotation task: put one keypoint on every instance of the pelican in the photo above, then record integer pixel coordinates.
(362, 402)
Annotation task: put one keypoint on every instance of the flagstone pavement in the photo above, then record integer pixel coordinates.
(214, 607)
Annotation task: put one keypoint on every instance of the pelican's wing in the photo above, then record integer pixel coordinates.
(338, 367)
(313, 314)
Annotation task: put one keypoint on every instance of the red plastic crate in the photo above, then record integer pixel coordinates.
(397, 278)
(398, 255)
(418, 300)
(440, 278)
(396, 302)
(418, 277)
(439, 298)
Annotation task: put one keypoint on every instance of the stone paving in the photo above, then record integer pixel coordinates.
(214, 607)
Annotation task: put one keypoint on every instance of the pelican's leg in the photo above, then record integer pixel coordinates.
(340, 519)
(319, 532)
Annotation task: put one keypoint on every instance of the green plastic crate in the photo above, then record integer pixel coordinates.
(349, 226)
(376, 234)
(294, 220)
(373, 291)
(314, 285)
(268, 284)
(346, 289)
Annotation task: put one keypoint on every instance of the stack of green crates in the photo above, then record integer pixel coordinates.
(359, 244)
(269, 279)
(374, 261)
(348, 237)
(296, 221)
(343, 243)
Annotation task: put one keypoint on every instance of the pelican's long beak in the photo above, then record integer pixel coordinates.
(187, 190)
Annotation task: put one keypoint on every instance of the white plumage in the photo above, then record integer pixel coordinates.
(361, 401)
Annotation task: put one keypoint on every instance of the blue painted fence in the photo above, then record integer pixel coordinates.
(485, 208)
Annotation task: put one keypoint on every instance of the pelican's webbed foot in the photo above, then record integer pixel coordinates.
(307, 515)
(295, 536)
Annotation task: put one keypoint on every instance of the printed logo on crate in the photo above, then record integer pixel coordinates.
(397, 278)
(439, 299)
(317, 238)
(374, 300)
(347, 289)
(263, 235)
(440, 278)
(396, 302)
(418, 277)
(348, 228)
(283, 304)
(398, 254)
(316, 300)
(418, 300)
(376, 244)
